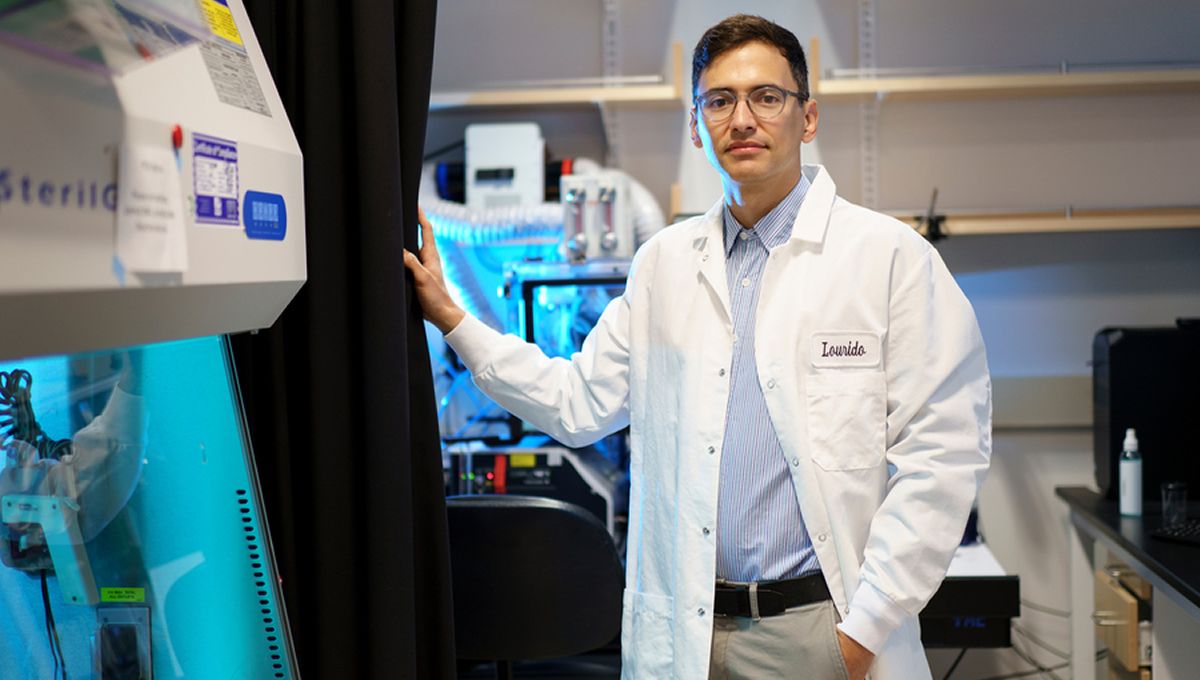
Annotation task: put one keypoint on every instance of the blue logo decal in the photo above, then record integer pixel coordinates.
(265, 216)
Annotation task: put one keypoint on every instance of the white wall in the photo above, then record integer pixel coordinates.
(1039, 298)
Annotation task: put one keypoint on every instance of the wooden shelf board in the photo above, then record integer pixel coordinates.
(665, 93)
(1034, 84)
(1037, 223)
(646, 94)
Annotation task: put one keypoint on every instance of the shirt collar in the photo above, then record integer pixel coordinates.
(775, 227)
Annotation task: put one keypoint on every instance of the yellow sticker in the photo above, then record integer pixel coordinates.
(522, 460)
(122, 594)
(220, 20)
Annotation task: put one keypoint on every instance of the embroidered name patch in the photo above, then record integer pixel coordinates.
(837, 350)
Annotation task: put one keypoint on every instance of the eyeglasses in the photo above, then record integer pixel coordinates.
(765, 102)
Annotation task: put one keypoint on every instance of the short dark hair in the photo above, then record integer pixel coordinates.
(740, 29)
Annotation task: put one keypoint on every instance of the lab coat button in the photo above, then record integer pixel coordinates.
(700, 611)
(771, 384)
(721, 373)
(706, 531)
(704, 257)
(795, 461)
(821, 538)
(712, 450)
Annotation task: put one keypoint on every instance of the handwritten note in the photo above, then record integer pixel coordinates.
(150, 226)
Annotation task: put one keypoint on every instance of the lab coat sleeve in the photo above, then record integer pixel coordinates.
(105, 464)
(576, 401)
(938, 450)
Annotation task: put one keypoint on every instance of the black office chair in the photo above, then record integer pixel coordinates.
(534, 578)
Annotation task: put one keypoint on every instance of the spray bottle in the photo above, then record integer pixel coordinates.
(1131, 476)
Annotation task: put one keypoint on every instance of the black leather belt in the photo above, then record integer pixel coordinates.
(768, 598)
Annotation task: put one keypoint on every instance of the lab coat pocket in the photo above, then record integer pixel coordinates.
(647, 635)
(847, 419)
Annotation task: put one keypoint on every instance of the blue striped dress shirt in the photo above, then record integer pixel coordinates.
(760, 531)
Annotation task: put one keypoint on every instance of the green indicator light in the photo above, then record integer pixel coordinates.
(471, 475)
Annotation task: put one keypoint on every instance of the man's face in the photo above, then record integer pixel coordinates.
(743, 148)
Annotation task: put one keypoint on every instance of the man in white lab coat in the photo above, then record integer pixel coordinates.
(807, 394)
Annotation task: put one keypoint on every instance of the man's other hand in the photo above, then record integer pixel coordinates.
(430, 285)
(858, 658)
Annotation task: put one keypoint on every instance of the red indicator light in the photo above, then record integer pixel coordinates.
(177, 137)
(490, 476)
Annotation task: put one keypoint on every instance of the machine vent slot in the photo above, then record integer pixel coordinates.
(258, 571)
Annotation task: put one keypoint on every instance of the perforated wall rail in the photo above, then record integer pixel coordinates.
(272, 626)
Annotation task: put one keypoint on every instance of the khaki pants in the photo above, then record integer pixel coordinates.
(800, 643)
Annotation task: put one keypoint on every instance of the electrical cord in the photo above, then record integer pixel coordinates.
(1040, 643)
(16, 415)
(60, 661)
(1030, 660)
(954, 665)
(1044, 609)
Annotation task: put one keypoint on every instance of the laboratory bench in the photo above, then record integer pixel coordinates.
(1120, 576)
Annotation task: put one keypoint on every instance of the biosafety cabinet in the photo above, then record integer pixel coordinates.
(151, 202)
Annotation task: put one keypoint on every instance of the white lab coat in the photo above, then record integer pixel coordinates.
(887, 444)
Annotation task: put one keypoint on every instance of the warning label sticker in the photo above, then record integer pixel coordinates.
(220, 20)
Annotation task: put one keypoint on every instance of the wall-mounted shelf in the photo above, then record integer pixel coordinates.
(1055, 84)
(656, 93)
(1073, 221)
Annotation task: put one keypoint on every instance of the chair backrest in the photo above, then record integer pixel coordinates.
(534, 578)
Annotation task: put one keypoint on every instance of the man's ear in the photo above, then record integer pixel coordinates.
(693, 129)
(810, 121)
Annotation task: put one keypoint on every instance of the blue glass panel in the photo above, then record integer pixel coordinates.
(127, 482)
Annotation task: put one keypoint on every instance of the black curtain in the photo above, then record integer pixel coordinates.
(339, 392)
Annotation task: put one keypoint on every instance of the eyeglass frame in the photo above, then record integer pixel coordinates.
(749, 107)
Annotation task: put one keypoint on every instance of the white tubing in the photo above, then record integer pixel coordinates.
(457, 222)
(455, 225)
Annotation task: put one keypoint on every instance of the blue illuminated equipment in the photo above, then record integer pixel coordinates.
(151, 201)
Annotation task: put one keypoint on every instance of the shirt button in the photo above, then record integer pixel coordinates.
(712, 450)
(745, 282)
(795, 461)
(700, 611)
(721, 372)
(743, 236)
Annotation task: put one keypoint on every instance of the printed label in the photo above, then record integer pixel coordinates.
(215, 174)
(122, 594)
(846, 349)
(233, 76)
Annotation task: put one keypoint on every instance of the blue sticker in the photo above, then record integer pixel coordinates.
(215, 174)
(265, 215)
